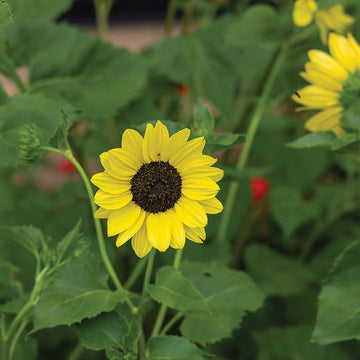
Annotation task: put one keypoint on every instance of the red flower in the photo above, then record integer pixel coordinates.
(182, 90)
(65, 167)
(259, 186)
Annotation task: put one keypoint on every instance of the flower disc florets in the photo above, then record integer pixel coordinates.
(157, 190)
(156, 186)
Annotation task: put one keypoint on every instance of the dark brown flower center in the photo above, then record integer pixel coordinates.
(156, 187)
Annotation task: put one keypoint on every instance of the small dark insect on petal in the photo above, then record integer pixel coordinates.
(207, 273)
(297, 94)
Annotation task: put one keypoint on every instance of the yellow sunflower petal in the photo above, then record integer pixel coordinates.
(192, 148)
(122, 219)
(112, 201)
(316, 97)
(140, 242)
(327, 119)
(155, 142)
(159, 228)
(328, 65)
(204, 171)
(133, 142)
(176, 143)
(131, 231)
(195, 161)
(355, 48)
(119, 171)
(195, 234)
(191, 212)
(177, 232)
(199, 188)
(315, 76)
(101, 213)
(110, 184)
(342, 51)
(125, 158)
(212, 206)
(303, 12)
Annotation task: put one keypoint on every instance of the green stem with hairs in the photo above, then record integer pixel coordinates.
(100, 237)
(135, 273)
(254, 124)
(188, 16)
(148, 271)
(102, 11)
(170, 17)
(161, 314)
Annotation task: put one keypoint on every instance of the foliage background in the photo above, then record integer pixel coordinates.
(297, 277)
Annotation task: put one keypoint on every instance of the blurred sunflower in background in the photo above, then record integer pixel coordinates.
(157, 190)
(333, 18)
(335, 80)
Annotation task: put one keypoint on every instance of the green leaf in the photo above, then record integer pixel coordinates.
(325, 139)
(293, 342)
(6, 16)
(115, 330)
(22, 112)
(339, 303)
(200, 60)
(9, 286)
(229, 295)
(176, 291)
(71, 244)
(174, 348)
(224, 141)
(96, 78)
(78, 292)
(289, 210)
(38, 10)
(203, 120)
(276, 274)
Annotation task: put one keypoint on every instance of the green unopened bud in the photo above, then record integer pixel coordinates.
(30, 146)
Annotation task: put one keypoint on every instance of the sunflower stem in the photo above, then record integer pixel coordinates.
(161, 314)
(101, 242)
(148, 271)
(136, 273)
(102, 10)
(253, 126)
(171, 322)
(170, 17)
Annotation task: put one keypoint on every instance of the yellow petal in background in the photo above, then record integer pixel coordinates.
(316, 97)
(140, 242)
(204, 171)
(328, 65)
(327, 119)
(342, 51)
(303, 12)
(316, 76)
(159, 227)
(355, 48)
(120, 220)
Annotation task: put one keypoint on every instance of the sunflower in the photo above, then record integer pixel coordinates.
(333, 18)
(157, 190)
(335, 80)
